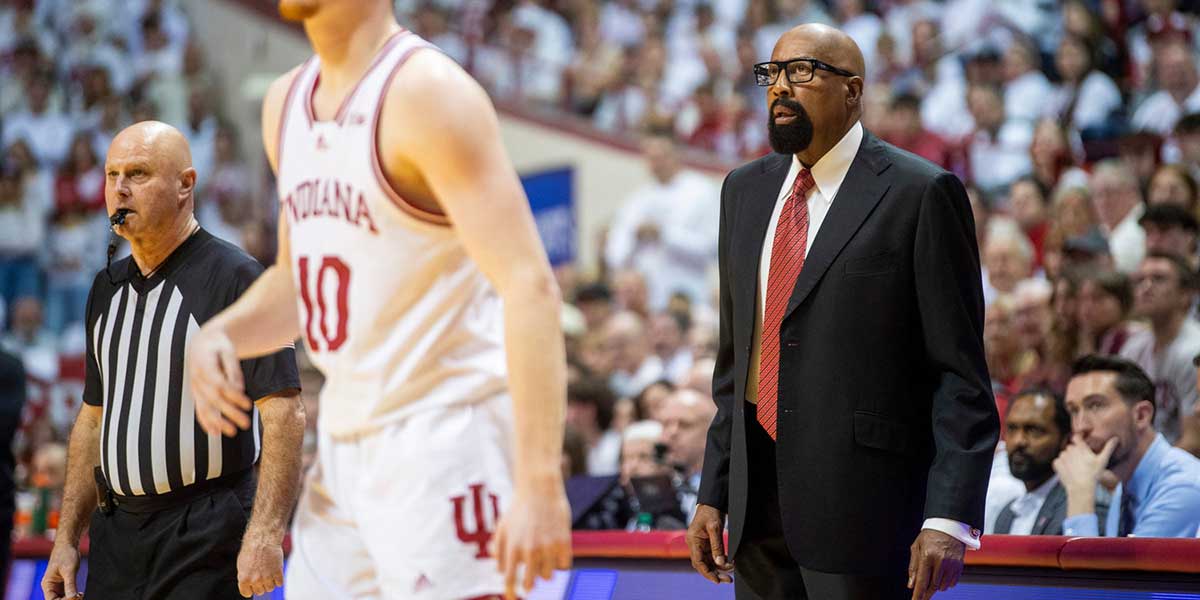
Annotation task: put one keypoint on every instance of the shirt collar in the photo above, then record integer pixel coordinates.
(830, 170)
(1148, 467)
(1035, 499)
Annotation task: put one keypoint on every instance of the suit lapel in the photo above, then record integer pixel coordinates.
(1005, 519)
(860, 192)
(1052, 513)
(754, 210)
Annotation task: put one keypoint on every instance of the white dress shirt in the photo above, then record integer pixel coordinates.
(829, 173)
(1127, 241)
(1159, 112)
(1026, 508)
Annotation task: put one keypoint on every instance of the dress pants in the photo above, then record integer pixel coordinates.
(764, 568)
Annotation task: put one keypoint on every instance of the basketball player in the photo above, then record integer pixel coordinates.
(409, 260)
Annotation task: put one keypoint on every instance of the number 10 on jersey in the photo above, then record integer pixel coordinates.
(314, 289)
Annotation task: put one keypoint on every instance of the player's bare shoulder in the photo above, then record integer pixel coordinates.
(431, 96)
(272, 112)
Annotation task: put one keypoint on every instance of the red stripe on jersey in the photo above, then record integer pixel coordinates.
(404, 205)
(287, 106)
(345, 105)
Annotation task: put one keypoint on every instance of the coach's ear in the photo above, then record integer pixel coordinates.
(187, 185)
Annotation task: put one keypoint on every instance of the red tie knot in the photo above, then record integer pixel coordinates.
(804, 183)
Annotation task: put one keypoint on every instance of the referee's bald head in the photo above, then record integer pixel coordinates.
(149, 176)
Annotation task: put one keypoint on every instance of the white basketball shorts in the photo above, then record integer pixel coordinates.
(407, 511)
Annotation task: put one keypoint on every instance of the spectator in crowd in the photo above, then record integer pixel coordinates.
(1172, 184)
(999, 149)
(1007, 258)
(1033, 319)
(685, 418)
(22, 230)
(1028, 203)
(1178, 93)
(1008, 363)
(668, 337)
(224, 205)
(1087, 99)
(639, 457)
(12, 400)
(1026, 87)
(589, 413)
(44, 127)
(1105, 302)
(1164, 293)
(634, 365)
(1053, 159)
(1111, 402)
(595, 301)
(77, 235)
(904, 130)
(1073, 213)
(1187, 140)
(574, 460)
(1037, 429)
(1171, 229)
(28, 338)
(1141, 152)
(631, 293)
(1118, 201)
(653, 398)
(667, 230)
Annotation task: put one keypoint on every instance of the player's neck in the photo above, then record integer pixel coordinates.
(346, 43)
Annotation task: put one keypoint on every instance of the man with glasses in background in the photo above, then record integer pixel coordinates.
(855, 422)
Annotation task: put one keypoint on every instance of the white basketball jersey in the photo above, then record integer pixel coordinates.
(393, 312)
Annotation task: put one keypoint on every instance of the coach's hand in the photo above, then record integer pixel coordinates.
(706, 540)
(935, 563)
(535, 532)
(59, 580)
(216, 379)
(259, 566)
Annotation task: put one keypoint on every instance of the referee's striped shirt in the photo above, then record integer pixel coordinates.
(137, 334)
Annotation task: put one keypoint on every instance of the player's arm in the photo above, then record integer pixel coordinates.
(261, 321)
(441, 121)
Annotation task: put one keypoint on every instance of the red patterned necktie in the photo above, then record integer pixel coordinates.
(787, 259)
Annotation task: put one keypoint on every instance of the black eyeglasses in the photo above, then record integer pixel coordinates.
(799, 70)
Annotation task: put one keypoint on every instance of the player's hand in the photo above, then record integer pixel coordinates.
(706, 540)
(259, 567)
(534, 532)
(1079, 469)
(935, 563)
(216, 380)
(59, 581)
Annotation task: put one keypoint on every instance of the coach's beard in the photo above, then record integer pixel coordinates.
(790, 138)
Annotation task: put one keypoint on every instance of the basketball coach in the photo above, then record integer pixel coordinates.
(174, 513)
(855, 427)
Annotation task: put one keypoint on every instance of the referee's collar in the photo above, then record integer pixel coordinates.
(172, 262)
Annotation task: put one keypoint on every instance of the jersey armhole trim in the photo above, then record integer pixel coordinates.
(409, 208)
(283, 114)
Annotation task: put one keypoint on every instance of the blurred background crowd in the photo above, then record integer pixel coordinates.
(1075, 125)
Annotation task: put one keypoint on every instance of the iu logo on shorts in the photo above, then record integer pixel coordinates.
(480, 531)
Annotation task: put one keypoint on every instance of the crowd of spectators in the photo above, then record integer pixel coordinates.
(1075, 125)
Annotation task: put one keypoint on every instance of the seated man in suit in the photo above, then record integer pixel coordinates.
(1037, 428)
(1111, 402)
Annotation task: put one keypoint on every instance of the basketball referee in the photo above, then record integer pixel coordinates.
(170, 506)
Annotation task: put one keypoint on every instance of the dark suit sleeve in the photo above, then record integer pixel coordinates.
(714, 479)
(273, 373)
(950, 302)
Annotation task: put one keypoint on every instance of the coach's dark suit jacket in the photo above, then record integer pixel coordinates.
(886, 415)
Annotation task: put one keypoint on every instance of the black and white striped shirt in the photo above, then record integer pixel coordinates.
(138, 329)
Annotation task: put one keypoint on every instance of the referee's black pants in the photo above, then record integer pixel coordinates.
(764, 568)
(183, 552)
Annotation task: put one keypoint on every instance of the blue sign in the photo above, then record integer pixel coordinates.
(552, 199)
